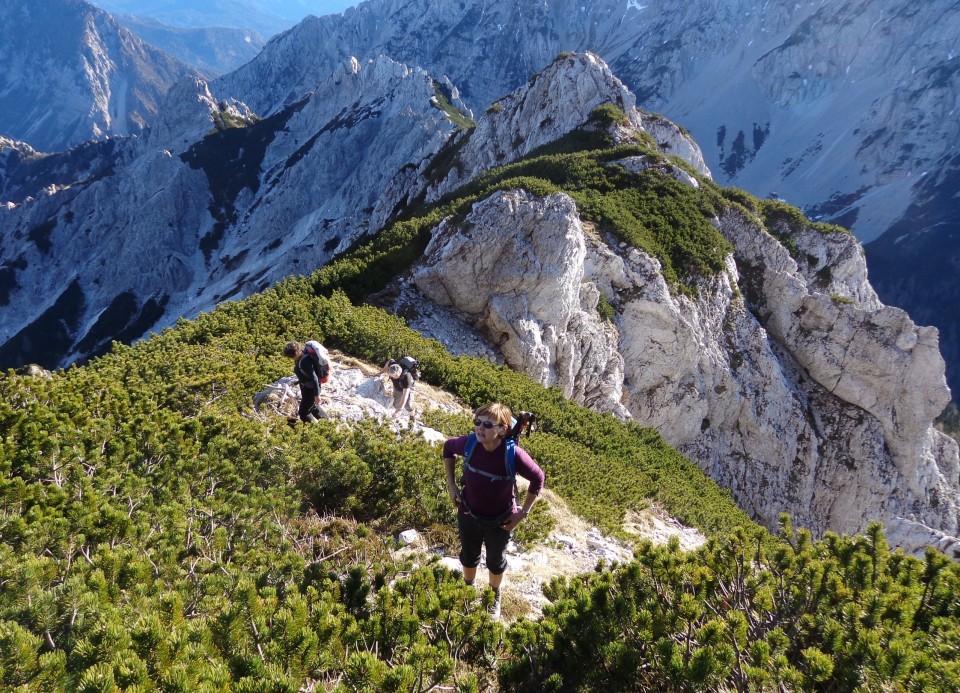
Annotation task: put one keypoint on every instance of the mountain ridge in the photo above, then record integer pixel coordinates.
(73, 74)
(780, 98)
(819, 105)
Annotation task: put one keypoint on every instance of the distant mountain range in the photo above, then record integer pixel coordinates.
(266, 17)
(71, 73)
(211, 50)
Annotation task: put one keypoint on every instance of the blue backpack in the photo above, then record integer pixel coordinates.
(509, 454)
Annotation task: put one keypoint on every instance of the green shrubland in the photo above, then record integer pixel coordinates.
(651, 211)
(158, 537)
(745, 614)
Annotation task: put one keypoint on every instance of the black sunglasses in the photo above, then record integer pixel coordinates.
(485, 424)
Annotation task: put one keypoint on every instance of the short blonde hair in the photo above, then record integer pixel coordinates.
(499, 413)
(395, 371)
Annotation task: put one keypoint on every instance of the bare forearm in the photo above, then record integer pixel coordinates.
(449, 465)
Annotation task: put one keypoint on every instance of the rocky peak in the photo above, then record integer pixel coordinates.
(9, 147)
(191, 112)
(804, 402)
(557, 101)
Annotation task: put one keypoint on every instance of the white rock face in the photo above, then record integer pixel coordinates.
(557, 101)
(822, 408)
(521, 293)
(869, 355)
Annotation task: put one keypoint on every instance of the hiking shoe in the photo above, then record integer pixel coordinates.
(494, 608)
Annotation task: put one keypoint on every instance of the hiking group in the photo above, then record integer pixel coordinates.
(311, 366)
(486, 502)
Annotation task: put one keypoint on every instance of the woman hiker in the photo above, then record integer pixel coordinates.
(486, 505)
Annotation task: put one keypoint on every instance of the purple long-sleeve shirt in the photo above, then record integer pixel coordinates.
(483, 495)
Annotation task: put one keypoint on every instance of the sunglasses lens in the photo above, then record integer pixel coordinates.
(485, 424)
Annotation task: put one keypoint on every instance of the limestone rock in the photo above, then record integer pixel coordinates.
(815, 400)
(556, 102)
(521, 293)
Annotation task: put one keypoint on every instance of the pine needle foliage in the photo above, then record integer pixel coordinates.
(743, 614)
(157, 537)
(651, 211)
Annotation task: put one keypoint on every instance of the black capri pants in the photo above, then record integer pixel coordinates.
(473, 535)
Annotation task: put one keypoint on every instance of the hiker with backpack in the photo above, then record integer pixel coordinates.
(312, 368)
(403, 374)
(487, 510)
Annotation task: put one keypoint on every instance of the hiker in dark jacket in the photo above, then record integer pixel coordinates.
(307, 366)
(403, 381)
(487, 508)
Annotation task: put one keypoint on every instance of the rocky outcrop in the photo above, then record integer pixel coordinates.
(521, 295)
(556, 102)
(784, 377)
(804, 402)
(869, 355)
(190, 112)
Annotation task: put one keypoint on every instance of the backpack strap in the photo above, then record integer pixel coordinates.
(509, 460)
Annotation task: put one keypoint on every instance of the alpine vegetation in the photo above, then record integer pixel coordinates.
(157, 535)
(746, 335)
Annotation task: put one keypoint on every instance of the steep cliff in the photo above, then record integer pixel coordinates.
(783, 374)
(213, 203)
